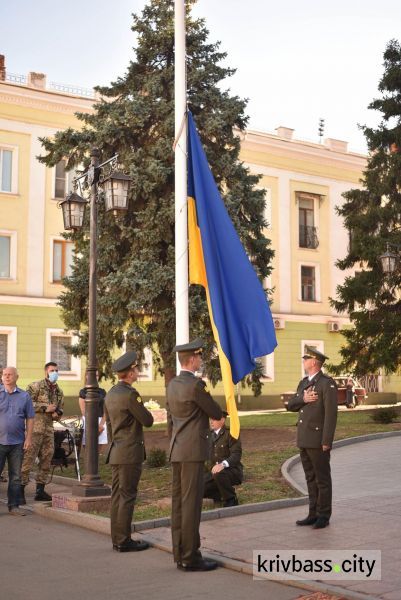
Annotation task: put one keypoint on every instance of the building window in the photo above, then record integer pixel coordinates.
(307, 229)
(3, 349)
(58, 342)
(63, 253)
(5, 256)
(6, 169)
(8, 346)
(60, 180)
(59, 351)
(267, 363)
(146, 366)
(8, 254)
(308, 285)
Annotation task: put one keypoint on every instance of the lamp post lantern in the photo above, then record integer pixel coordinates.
(116, 198)
(389, 261)
(73, 208)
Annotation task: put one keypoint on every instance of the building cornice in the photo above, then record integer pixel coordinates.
(27, 301)
(270, 150)
(47, 100)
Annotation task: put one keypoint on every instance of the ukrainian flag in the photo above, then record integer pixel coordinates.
(239, 312)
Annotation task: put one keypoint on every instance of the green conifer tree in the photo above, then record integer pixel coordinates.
(373, 217)
(135, 118)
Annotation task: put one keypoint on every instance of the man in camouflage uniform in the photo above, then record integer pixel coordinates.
(48, 402)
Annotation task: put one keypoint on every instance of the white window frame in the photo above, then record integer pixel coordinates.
(11, 333)
(318, 344)
(13, 254)
(69, 176)
(55, 238)
(14, 168)
(268, 368)
(75, 373)
(146, 374)
(317, 198)
(317, 281)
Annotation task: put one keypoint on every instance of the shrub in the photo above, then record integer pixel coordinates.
(385, 415)
(156, 457)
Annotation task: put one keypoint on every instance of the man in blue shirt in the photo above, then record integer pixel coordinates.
(16, 427)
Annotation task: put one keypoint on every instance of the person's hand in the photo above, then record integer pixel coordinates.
(310, 395)
(325, 448)
(217, 468)
(101, 428)
(51, 408)
(27, 443)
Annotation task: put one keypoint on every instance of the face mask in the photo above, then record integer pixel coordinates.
(53, 376)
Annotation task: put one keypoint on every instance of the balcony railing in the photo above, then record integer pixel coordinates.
(308, 237)
(72, 90)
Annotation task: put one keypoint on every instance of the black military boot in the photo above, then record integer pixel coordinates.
(22, 495)
(41, 495)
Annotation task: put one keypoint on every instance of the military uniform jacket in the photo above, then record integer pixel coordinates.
(316, 420)
(225, 447)
(189, 406)
(44, 393)
(125, 418)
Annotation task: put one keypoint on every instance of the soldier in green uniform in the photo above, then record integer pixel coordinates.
(225, 467)
(189, 406)
(316, 403)
(48, 402)
(125, 418)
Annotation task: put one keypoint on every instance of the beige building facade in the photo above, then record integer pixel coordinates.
(304, 183)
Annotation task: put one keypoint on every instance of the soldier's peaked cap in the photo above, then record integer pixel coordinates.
(311, 352)
(125, 361)
(194, 346)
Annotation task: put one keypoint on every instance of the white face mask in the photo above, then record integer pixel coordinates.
(53, 376)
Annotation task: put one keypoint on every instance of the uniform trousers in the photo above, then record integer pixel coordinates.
(220, 486)
(186, 509)
(316, 465)
(43, 448)
(124, 488)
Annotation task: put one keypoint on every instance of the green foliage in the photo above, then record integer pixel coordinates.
(136, 265)
(372, 216)
(385, 415)
(156, 457)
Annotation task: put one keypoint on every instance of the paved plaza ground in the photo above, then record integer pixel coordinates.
(54, 559)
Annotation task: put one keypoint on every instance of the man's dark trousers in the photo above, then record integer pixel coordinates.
(220, 486)
(316, 464)
(14, 454)
(125, 480)
(187, 494)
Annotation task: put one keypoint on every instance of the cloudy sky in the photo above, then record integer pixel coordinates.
(297, 60)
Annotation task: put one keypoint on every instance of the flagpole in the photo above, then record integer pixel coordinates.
(181, 225)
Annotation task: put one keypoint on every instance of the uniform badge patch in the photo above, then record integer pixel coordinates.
(139, 399)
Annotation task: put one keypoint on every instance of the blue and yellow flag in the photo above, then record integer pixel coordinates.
(239, 312)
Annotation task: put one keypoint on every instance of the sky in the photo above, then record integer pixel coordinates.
(297, 60)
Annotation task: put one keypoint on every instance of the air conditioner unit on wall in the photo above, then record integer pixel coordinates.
(279, 323)
(333, 326)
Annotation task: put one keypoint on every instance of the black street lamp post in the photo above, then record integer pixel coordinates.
(116, 188)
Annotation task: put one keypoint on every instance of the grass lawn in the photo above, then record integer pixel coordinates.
(267, 441)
